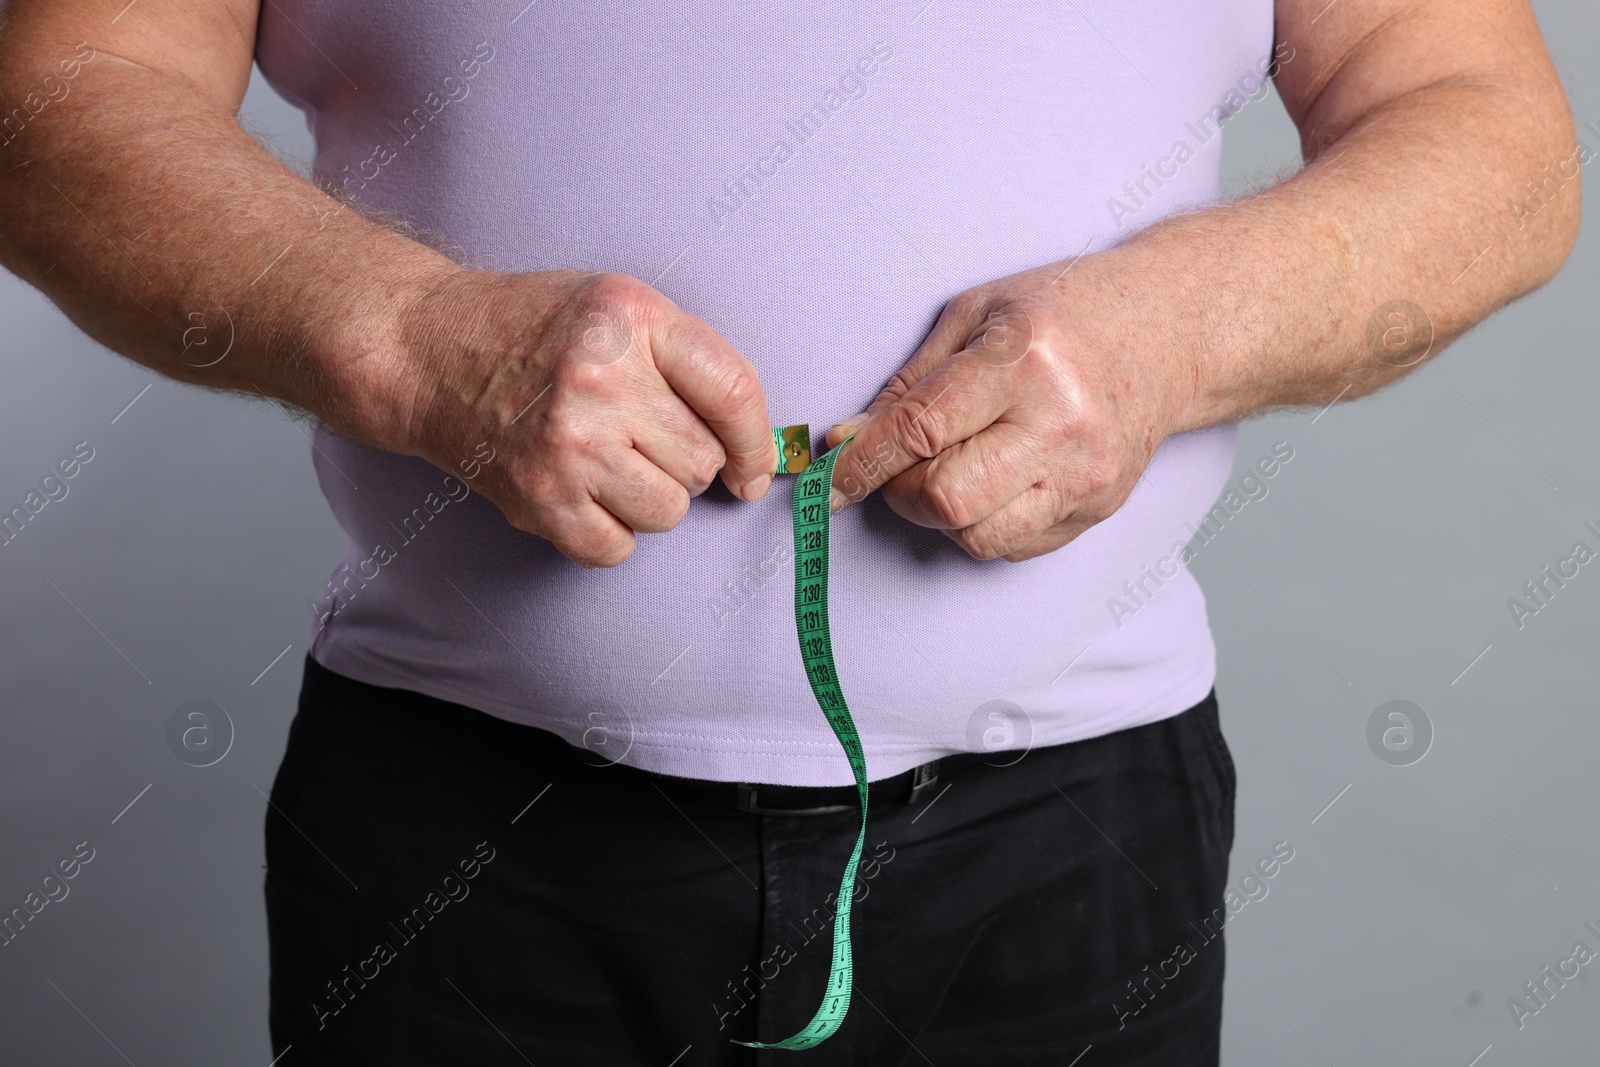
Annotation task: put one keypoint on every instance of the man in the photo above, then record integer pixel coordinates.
(539, 812)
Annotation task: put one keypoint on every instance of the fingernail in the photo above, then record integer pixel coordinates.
(757, 488)
(836, 500)
(844, 429)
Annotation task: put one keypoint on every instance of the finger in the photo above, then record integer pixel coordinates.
(678, 441)
(1015, 526)
(949, 335)
(641, 495)
(724, 389)
(967, 322)
(588, 534)
(1058, 536)
(969, 481)
(961, 397)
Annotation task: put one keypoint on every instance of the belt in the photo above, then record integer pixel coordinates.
(909, 787)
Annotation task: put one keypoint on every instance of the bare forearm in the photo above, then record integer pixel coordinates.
(1398, 236)
(1064, 379)
(165, 232)
(139, 205)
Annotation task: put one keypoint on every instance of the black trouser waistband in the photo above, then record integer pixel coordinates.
(918, 785)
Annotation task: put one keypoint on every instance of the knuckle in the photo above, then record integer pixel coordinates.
(539, 497)
(571, 376)
(707, 461)
(918, 431)
(965, 306)
(740, 388)
(680, 507)
(565, 436)
(1098, 477)
(605, 547)
(979, 545)
(899, 385)
(945, 505)
(585, 369)
(529, 484)
(662, 510)
(1006, 336)
(523, 514)
(616, 292)
(1037, 310)
(602, 327)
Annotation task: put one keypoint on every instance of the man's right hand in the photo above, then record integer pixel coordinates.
(607, 405)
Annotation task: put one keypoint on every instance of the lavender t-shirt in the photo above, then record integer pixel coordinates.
(815, 180)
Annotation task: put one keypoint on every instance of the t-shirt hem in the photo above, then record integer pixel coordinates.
(818, 763)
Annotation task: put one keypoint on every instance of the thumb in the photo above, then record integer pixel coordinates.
(913, 372)
(841, 431)
(949, 335)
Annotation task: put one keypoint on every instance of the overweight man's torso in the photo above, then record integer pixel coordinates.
(815, 180)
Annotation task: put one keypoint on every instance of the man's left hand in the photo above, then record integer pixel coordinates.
(1015, 426)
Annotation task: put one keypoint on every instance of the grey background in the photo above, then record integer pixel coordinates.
(1377, 568)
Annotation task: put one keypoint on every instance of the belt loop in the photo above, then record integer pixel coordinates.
(923, 778)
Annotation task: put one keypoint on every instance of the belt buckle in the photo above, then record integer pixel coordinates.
(749, 799)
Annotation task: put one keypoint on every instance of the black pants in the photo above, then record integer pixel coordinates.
(422, 912)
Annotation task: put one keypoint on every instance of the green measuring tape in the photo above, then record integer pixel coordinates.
(811, 518)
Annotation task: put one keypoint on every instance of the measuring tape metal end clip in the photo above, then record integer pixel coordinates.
(794, 448)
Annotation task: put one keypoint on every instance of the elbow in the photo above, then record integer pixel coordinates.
(1542, 165)
(1560, 235)
(1560, 247)
(1551, 212)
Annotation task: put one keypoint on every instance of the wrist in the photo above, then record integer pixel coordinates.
(1114, 316)
(1141, 354)
(375, 376)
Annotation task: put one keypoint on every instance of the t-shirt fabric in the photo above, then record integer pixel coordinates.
(815, 180)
